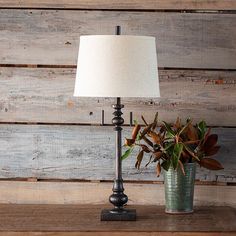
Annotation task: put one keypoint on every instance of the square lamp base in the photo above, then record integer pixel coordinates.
(114, 215)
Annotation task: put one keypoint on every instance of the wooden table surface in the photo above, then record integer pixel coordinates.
(77, 220)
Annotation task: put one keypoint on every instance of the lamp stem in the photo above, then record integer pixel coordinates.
(118, 30)
(118, 198)
(118, 130)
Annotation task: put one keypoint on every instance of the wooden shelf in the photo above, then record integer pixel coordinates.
(77, 220)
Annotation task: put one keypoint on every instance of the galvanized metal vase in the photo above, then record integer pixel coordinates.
(179, 189)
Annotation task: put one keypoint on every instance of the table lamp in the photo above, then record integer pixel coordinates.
(117, 66)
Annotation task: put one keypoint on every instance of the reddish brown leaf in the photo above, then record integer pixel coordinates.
(147, 141)
(207, 133)
(212, 151)
(158, 169)
(192, 132)
(181, 167)
(145, 131)
(210, 164)
(155, 122)
(177, 124)
(129, 142)
(192, 142)
(145, 122)
(145, 148)
(135, 131)
(185, 155)
(139, 160)
(155, 137)
(162, 129)
(191, 153)
(157, 155)
(210, 141)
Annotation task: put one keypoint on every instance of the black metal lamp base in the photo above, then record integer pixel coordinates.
(118, 215)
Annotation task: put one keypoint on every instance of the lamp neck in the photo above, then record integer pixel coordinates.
(118, 30)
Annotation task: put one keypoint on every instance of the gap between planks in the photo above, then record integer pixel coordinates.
(123, 4)
(34, 179)
(75, 66)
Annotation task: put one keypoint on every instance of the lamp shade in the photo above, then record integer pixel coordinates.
(117, 66)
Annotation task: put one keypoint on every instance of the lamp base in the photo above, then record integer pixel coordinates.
(118, 215)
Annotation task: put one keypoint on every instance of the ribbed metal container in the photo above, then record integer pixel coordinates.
(179, 189)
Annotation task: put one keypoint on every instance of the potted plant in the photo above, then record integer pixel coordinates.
(176, 149)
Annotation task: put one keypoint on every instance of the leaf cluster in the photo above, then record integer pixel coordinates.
(173, 145)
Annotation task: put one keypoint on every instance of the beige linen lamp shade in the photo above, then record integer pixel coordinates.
(117, 66)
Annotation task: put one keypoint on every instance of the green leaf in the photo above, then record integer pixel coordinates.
(168, 146)
(138, 138)
(166, 165)
(135, 122)
(169, 130)
(127, 153)
(202, 129)
(139, 159)
(184, 127)
(189, 151)
(178, 148)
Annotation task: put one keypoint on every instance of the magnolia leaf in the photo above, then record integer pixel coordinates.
(135, 131)
(162, 129)
(192, 142)
(135, 122)
(210, 164)
(127, 153)
(155, 137)
(169, 129)
(202, 129)
(192, 133)
(184, 127)
(158, 169)
(176, 154)
(155, 121)
(166, 165)
(185, 156)
(145, 131)
(212, 151)
(207, 133)
(210, 141)
(129, 142)
(188, 150)
(150, 159)
(156, 117)
(158, 155)
(145, 122)
(139, 160)
(147, 141)
(177, 124)
(181, 167)
(145, 148)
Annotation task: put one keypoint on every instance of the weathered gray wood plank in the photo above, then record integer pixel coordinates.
(45, 95)
(184, 40)
(124, 4)
(86, 152)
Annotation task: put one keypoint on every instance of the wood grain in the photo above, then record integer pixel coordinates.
(44, 95)
(184, 40)
(116, 234)
(87, 152)
(85, 218)
(23, 192)
(123, 4)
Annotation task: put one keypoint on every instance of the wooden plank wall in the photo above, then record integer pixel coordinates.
(47, 134)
